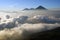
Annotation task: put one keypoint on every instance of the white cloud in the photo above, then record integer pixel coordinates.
(25, 30)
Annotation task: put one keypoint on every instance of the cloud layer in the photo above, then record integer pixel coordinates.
(19, 28)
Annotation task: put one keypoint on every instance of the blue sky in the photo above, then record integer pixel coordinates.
(21, 4)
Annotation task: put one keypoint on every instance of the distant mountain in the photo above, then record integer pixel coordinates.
(41, 8)
(29, 9)
(26, 9)
(32, 9)
(38, 8)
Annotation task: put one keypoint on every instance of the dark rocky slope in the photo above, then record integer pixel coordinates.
(46, 35)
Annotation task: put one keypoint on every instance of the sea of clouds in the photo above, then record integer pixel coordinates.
(19, 28)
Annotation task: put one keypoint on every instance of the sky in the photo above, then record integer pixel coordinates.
(21, 4)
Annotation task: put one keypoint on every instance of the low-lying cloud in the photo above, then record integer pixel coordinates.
(23, 31)
(43, 19)
(13, 22)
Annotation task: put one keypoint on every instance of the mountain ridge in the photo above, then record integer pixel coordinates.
(37, 8)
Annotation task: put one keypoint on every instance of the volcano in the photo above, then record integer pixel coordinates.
(37, 8)
(41, 8)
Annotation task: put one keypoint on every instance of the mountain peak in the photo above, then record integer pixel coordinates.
(41, 7)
